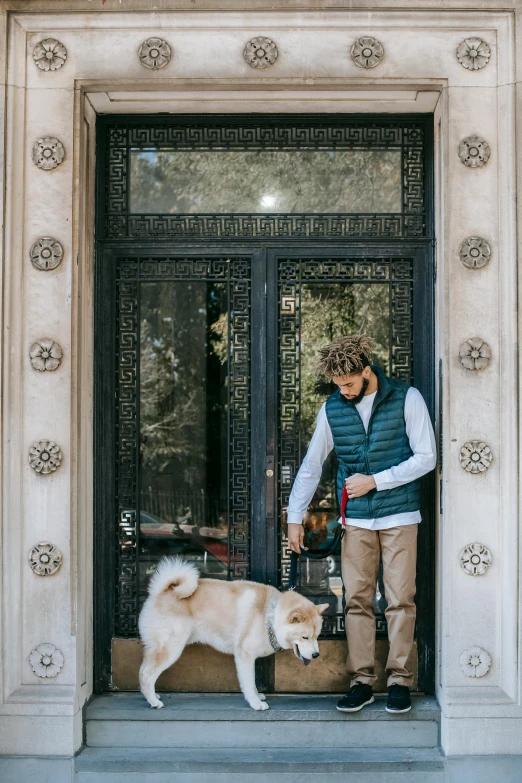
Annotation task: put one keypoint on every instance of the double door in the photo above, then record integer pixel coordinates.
(206, 398)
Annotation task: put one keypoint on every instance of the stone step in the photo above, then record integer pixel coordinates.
(225, 721)
(283, 765)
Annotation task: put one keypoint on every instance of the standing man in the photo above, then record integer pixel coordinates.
(383, 437)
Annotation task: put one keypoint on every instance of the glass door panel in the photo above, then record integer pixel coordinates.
(319, 301)
(183, 395)
(265, 181)
(183, 466)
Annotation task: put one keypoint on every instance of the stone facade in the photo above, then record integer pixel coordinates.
(64, 61)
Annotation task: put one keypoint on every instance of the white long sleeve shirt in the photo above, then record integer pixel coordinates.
(423, 459)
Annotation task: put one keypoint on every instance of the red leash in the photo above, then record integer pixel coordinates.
(344, 501)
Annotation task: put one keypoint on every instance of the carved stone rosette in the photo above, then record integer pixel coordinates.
(474, 151)
(475, 354)
(46, 660)
(473, 53)
(154, 53)
(46, 254)
(475, 559)
(367, 52)
(45, 355)
(475, 662)
(475, 456)
(45, 559)
(45, 457)
(49, 54)
(48, 153)
(260, 52)
(475, 252)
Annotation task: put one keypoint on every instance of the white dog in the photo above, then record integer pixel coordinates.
(245, 619)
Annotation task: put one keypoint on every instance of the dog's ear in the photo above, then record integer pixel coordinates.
(322, 608)
(295, 617)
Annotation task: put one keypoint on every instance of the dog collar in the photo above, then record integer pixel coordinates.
(272, 638)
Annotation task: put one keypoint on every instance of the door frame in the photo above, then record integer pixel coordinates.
(264, 394)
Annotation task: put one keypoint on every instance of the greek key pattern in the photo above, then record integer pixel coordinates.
(236, 272)
(292, 274)
(401, 360)
(249, 226)
(289, 134)
(239, 419)
(127, 451)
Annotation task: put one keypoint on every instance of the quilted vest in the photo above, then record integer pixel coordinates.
(384, 445)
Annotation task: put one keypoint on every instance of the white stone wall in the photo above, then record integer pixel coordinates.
(314, 72)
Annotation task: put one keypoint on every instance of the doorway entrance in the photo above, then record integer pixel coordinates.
(229, 249)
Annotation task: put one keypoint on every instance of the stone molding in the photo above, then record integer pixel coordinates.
(475, 456)
(475, 662)
(475, 354)
(475, 559)
(49, 54)
(45, 457)
(474, 151)
(46, 254)
(367, 52)
(501, 184)
(45, 559)
(46, 660)
(475, 252)
(154, 53)
(260, 52)
(48, 153)
(473, 54)
(45, 354)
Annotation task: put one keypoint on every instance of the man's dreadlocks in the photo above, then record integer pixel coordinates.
(345, 355)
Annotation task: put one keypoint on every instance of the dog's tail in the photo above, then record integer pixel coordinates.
(174, 573)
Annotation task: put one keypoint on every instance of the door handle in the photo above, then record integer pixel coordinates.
(270, 486)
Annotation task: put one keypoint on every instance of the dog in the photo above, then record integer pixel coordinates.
(245, 619)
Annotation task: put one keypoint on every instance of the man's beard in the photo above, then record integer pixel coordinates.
(365, 384)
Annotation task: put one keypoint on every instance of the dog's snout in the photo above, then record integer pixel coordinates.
(315, 655)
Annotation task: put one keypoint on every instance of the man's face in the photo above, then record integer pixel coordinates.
(354, 385)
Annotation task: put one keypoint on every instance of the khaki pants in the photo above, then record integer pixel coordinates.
(361, 551)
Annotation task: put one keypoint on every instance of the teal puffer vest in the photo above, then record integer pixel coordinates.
(385, 445)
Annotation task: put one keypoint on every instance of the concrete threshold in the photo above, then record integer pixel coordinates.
(232, 706)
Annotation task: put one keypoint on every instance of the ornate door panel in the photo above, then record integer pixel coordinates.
(183, 447)
(322, 296)
(180, 390)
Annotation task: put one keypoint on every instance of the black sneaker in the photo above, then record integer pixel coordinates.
(357, 697)
(398, 698)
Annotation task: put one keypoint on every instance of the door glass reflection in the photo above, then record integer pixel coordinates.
(183, 426)
(265, 181)
(329, 312)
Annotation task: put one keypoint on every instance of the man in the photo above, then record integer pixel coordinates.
(383, 437)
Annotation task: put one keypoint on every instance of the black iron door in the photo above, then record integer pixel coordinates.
(323, 294)
(207, 326)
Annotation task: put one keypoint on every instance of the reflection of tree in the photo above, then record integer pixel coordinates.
(219, 337)
(329, 311)
(192, 181)
(168, 406)
(183, 394)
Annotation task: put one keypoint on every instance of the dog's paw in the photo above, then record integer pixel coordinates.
(157, 704)
(262, 696)
(259, 705)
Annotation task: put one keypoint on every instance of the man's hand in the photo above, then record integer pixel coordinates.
(359, 484)
(296, 538)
